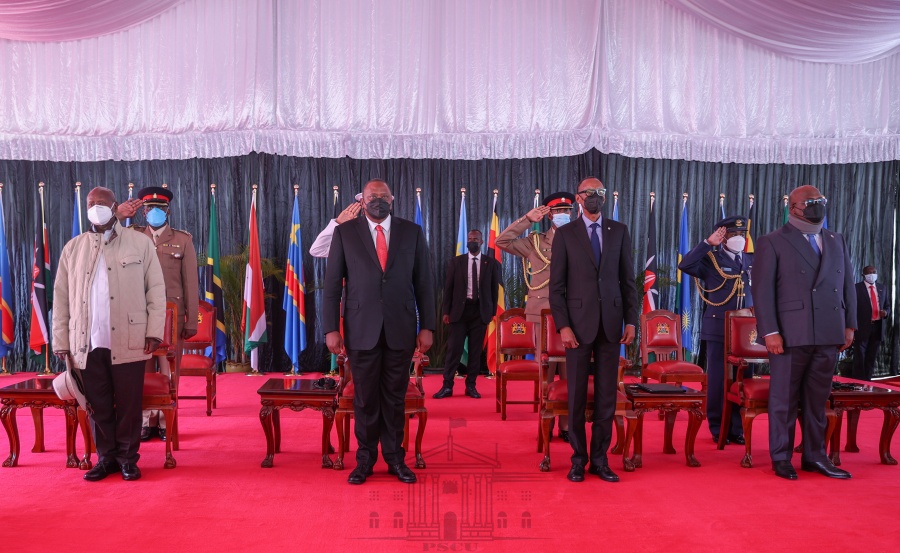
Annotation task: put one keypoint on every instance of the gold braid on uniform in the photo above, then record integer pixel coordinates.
(535, 240)
(737, 288)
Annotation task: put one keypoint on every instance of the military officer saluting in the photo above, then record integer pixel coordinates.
(534, 249)
(723, 266)
(178, 259)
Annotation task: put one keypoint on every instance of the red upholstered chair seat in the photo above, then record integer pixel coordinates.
(519, 366)
(195, 361)
(156, 384)
(755, 389)
(411, 391)
(671, 367)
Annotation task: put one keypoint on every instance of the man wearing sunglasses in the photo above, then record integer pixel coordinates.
(805, 303)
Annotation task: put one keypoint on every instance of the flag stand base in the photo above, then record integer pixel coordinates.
(254, 373)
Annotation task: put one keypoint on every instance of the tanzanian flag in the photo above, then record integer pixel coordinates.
(213, 278)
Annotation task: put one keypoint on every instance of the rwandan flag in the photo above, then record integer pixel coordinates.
(7, 322)
(462, 237)
(683, 300)
(41, 296)
(494, 251)
(76, 211)
(213, 278)
(651, 292)
(294, 301)
(253, 322)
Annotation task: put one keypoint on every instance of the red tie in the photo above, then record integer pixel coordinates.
(874, 299)
(381, 247)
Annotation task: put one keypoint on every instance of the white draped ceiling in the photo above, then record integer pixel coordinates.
(775, 81)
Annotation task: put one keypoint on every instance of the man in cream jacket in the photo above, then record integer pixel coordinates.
(108, 317)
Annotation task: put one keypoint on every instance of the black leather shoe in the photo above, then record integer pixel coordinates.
(727, 440)
(162, 434)
(473, 393)
(784, 469)
(605, 473)
(564, 435)
(130, 471)
(443, 392)
(100, 471)
(576, 473)
(403, 473)
(359, 474)
(825, 467)
(739, 440)
(145, 433)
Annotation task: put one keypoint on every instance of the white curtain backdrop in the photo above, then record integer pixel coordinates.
(456, 79)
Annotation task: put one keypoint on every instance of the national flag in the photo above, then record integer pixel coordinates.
(536, 226)
(7, 321)
(493, 251)
(213, 278)
(294, 302)
(786, 213)
(419, 220)
(683, 301)
(130, 195)
(41, 296)
(462, 237)
(751, 214)
(335, 211)
(615, 217)
(825, 222)
(76, 211)
(651, 292)
(253, 321)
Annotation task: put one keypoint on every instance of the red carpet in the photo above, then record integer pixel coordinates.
(219, 499)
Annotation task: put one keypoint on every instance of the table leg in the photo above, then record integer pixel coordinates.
(37, 413)
(891, 419)
(265, 418)
(668, 447)
(631, 419)
(86, 463)
(852, 424)
(339, 422)
(638, 455)
(327, 423)
(422, 417)
(835, 455)
(276, 425)
(8, 418)
(71, 427)
(695, 418)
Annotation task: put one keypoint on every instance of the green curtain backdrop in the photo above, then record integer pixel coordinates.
(863, 205)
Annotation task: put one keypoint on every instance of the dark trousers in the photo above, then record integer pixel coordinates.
(604, 368)
(800, 377)
(468, 326)
(115, 393)
(381, 377)
(865, 352)
(715, 393)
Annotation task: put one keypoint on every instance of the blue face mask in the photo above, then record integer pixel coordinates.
(156, 217)
(561, 219)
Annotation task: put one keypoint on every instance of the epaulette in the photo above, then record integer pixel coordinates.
(183, 232)
(137, 228)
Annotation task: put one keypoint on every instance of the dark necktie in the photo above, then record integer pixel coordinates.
(595, 242)
(814, 244)
(474, 278)
(738, 260)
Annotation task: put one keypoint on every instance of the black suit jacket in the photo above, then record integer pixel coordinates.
(377, 299)
(579, 289)
(808, 301)
(457, 285)
(864, 309)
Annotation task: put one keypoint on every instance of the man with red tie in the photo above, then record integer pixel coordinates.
(872, 308)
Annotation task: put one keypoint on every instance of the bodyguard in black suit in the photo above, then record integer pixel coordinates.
(720, 262)
(383, 262)
(470, 301)
(592, 292)
(871, 308)
(805, 313)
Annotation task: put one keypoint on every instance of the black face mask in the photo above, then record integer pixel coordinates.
(474, 247)
(592, 204)
(814, 213)
(378, 208)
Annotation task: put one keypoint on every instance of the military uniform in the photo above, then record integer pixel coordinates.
(728, 286)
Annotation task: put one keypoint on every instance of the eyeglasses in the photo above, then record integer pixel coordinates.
(813, 201)
(588, 192)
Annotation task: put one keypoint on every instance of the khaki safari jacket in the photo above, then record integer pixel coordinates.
(137, 295)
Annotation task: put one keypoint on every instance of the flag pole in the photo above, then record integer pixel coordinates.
(3, 370)
(255, 352)
(78, 204)
(722, 204)
(46, 347)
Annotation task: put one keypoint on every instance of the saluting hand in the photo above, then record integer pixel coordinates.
(538, 213)
(349, 213)
(128, 209)
(717, 237)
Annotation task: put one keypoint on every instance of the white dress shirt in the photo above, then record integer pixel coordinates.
(100, 332)
(469, 284)
(386, 226)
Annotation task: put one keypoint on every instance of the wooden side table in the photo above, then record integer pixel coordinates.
(37, 393)
(295, 394)
(691, 401)
(855, 398)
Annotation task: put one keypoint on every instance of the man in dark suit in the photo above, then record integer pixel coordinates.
(383, 262)
(720, 262)
(592, 292)
(470, 301)
(805, 313)
(871, 309)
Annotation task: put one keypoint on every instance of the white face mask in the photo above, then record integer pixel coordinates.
(99, 215)
(871, 278)
(736, 243)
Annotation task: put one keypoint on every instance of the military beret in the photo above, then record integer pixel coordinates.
(736, 223)
(559, 200)
(155, 195)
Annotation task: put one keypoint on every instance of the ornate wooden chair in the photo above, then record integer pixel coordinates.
(194, 361)
(161, 391)
(661, 335)
(515, 339)
(415, 405)
(555, 395)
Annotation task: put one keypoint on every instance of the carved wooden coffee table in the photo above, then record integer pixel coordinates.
(852, 398)
(37, 393)
(690, 401)
(295, 394)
